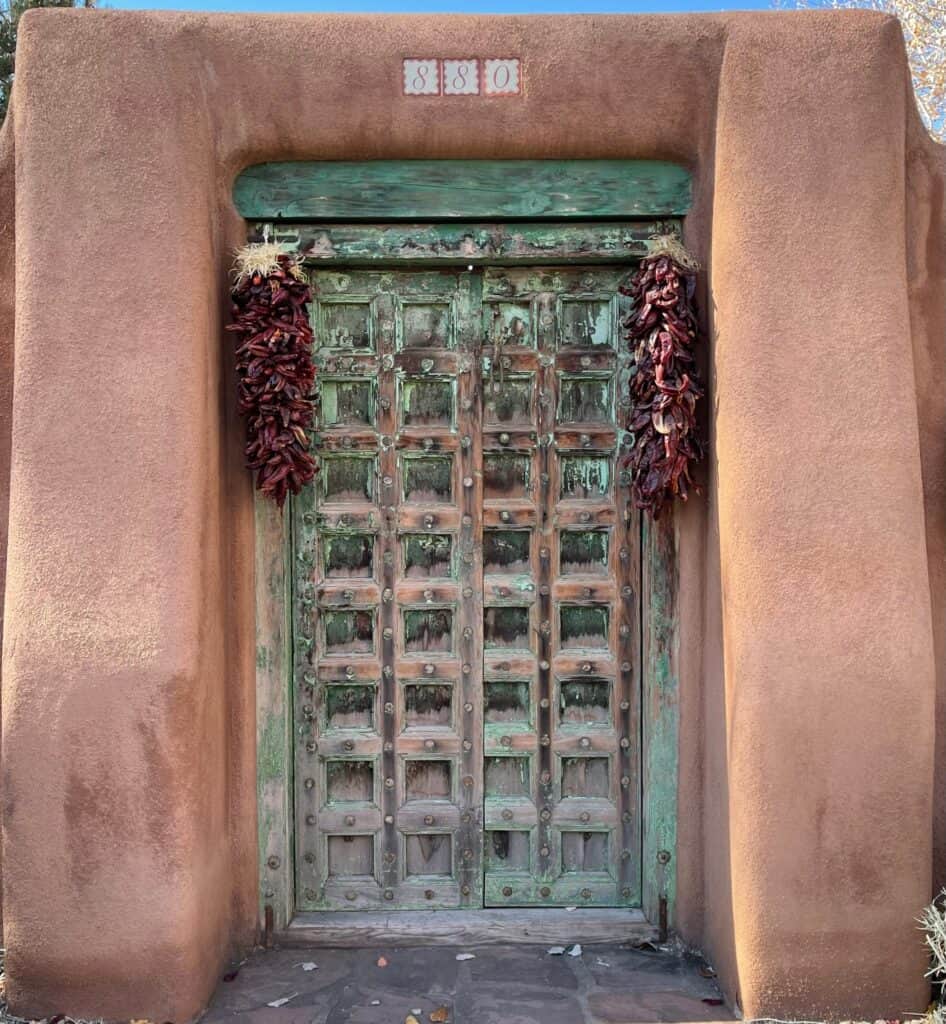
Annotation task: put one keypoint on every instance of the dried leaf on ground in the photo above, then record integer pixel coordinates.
(440, 1015)
(644, 947)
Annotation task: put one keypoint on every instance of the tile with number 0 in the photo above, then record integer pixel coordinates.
(502, 77)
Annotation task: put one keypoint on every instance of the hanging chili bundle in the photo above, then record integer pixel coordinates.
(662, 331)
(275, 368)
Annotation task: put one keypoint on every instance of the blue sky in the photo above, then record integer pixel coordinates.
(454, 6)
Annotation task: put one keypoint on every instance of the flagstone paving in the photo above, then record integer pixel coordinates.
(605, 984)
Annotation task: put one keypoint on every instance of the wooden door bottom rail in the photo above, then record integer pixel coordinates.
(466, 927)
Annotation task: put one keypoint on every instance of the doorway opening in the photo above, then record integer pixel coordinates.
(466, 640)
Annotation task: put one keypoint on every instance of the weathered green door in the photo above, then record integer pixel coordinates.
(467, 597)
(561, 611)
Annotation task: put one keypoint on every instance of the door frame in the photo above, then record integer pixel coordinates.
(578, 199)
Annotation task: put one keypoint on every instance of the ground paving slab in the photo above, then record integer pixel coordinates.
(599, 984)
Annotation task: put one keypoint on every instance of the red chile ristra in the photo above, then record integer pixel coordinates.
(276, 374)
(662, 331)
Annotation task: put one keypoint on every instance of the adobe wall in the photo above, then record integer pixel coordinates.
(807, 647)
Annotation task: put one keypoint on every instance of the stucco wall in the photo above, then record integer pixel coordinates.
(926, 274)
(7, 297)
(807, 650)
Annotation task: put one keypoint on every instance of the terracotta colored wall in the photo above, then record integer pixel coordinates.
(810, 573)
(926, 276)
(7, 294)
(826, 616)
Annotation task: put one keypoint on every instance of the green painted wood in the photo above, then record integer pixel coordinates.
(660, 627)
(458, 189)
(562, 812)
(661, 715)
(461, 244)
(273, 714)
(374, 828)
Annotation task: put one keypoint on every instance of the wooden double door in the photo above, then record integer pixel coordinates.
(466, 596)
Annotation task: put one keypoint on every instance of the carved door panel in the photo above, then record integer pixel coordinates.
(561, 618)
(466, 606)
(388, 764)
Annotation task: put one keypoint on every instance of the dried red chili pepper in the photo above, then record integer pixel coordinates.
(662, 331)
(276, 372)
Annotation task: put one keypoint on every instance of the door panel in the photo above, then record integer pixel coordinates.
(388, 764)
(561, 614)
(466, 612)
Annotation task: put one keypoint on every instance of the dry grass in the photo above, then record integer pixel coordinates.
(670, 245)
(261, 258)
(933, 923)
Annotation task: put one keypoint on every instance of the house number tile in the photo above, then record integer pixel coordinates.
(421, 77)
(502, 77)
(461, 77)
(471, 76)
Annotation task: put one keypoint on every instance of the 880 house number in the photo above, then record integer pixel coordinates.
(472, 76)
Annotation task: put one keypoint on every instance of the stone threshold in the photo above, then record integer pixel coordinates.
(340, 929)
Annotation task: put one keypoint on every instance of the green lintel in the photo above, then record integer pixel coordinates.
(450, 189)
